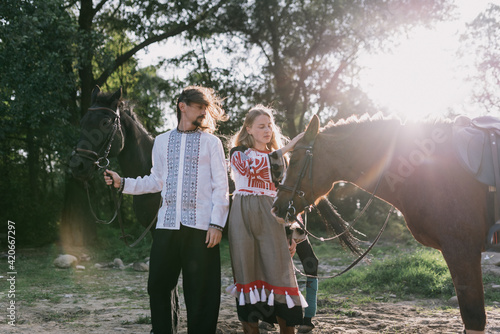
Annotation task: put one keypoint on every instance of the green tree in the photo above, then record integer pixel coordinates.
(36, 85)
(145, 22)
(482, 39)
(309, 49)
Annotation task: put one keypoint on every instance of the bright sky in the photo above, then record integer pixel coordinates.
(423, 76)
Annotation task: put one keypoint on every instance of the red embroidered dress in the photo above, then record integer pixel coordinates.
(252, 173)
(262, 266)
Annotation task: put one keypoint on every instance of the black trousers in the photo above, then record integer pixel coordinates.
(184, 250)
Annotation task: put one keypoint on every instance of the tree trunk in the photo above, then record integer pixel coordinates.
(85, 19)
(32, 161)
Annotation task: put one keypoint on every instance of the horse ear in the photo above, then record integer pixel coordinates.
(117, 95)
(312, 129)
(93, 97)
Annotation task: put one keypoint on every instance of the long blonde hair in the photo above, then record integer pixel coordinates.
(243, 138)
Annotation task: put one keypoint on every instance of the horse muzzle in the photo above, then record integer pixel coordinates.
(280, 220)
(284, 215)
(81, 168)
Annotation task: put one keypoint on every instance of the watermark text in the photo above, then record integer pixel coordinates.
(12, 273)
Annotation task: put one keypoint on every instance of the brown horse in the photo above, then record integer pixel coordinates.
(413, 167)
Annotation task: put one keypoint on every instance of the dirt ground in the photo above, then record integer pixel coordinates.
(117, 312)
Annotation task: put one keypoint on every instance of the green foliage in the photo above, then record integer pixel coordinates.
(110, 244)
(307, 52)
(421, 274)
(36, 90)
(150, 96)
(482, 39)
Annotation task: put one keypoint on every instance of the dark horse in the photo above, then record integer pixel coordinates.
(414, 168)
(110, 129)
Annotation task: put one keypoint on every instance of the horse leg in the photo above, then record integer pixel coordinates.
(465, 270)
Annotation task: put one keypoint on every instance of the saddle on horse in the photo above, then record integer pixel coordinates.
(476, 145)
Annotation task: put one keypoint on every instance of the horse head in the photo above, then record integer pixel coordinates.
(101, 135)
(296, 191)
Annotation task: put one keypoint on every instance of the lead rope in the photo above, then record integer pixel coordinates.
(97, 219)
(146, 230)
(359, 258)
(118, 200)
(351, 224)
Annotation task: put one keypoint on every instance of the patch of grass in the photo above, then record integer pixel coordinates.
(491, 295)
(330, 252)
(68, 316)
(111, 246)
(225, 258)
(141, 320)
(422, 273)
(37, 279)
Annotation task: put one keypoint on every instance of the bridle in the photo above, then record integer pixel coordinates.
(291, 211)
(101, 161)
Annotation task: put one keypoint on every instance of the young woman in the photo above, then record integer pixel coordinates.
(264, 279)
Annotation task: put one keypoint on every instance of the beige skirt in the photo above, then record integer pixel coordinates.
(259, 251)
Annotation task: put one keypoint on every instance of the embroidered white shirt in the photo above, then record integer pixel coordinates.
(189, 169)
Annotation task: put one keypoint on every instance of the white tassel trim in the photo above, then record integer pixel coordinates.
(242, 298)
(234, 292)
(303, 300)
(252, 297)
(289, 300)
(263, 294)
(270, 301)
(256, 292)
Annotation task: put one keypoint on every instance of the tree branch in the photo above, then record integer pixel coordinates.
(99, 7)
(121, 59)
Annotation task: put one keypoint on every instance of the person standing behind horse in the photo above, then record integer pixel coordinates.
(264, 277)
(189, 169)
(310, 264)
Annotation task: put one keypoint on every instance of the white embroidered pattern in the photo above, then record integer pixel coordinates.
(189, 178)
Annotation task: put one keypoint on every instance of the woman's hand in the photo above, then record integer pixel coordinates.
(291, 144)
(112, 178)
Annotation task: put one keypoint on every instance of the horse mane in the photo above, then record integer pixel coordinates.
(356, 119)
(381, 118)
(341, 228)
(127, 107)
